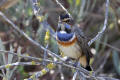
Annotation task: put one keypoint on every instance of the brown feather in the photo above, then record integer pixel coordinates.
(83, 61)
(82, 42)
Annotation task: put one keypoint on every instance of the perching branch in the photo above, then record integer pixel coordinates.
(46, 69)
(46, 60)
(75, 74)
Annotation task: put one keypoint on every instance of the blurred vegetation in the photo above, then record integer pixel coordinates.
(88, 14)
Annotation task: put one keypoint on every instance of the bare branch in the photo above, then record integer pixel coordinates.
(75, 74)
(61, 73)
(28, 38)
(56, 62)
(36, 9)
(27, 57)
(17, 64)
(63, 7)
(104, 26)
(45, 55)
(42, 72)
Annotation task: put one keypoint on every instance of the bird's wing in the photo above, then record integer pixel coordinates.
(82, 42)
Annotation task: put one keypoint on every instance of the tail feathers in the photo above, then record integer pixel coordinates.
(88, 68)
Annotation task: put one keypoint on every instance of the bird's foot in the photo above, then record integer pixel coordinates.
(76, 64)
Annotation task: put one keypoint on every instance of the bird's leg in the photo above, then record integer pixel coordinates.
(68, 59)
(75, 64)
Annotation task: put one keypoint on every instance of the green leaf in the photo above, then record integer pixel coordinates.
(29, 12)
(77, 2)
(70, 1)
(111, 26)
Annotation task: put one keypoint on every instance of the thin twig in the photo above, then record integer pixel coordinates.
(63, 7)
(17, 64)
(45, 55)
(104, 26)
(36, 75)
(23, 56)
(35, 7)
(61, 73)
(75, 74)
(82, 76)
(56, 62)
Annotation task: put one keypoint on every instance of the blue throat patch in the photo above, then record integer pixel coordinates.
(64, 36)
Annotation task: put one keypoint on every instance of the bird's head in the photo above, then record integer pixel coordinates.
(64, 31)
(66, 18)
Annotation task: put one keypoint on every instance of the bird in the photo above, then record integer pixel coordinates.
(73, 43)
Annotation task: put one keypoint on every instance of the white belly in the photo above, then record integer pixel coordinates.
(72, 51)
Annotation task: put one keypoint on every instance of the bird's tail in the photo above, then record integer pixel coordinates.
(85, 63)
(89, 68)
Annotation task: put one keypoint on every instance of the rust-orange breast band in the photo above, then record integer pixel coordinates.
(67, 43)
